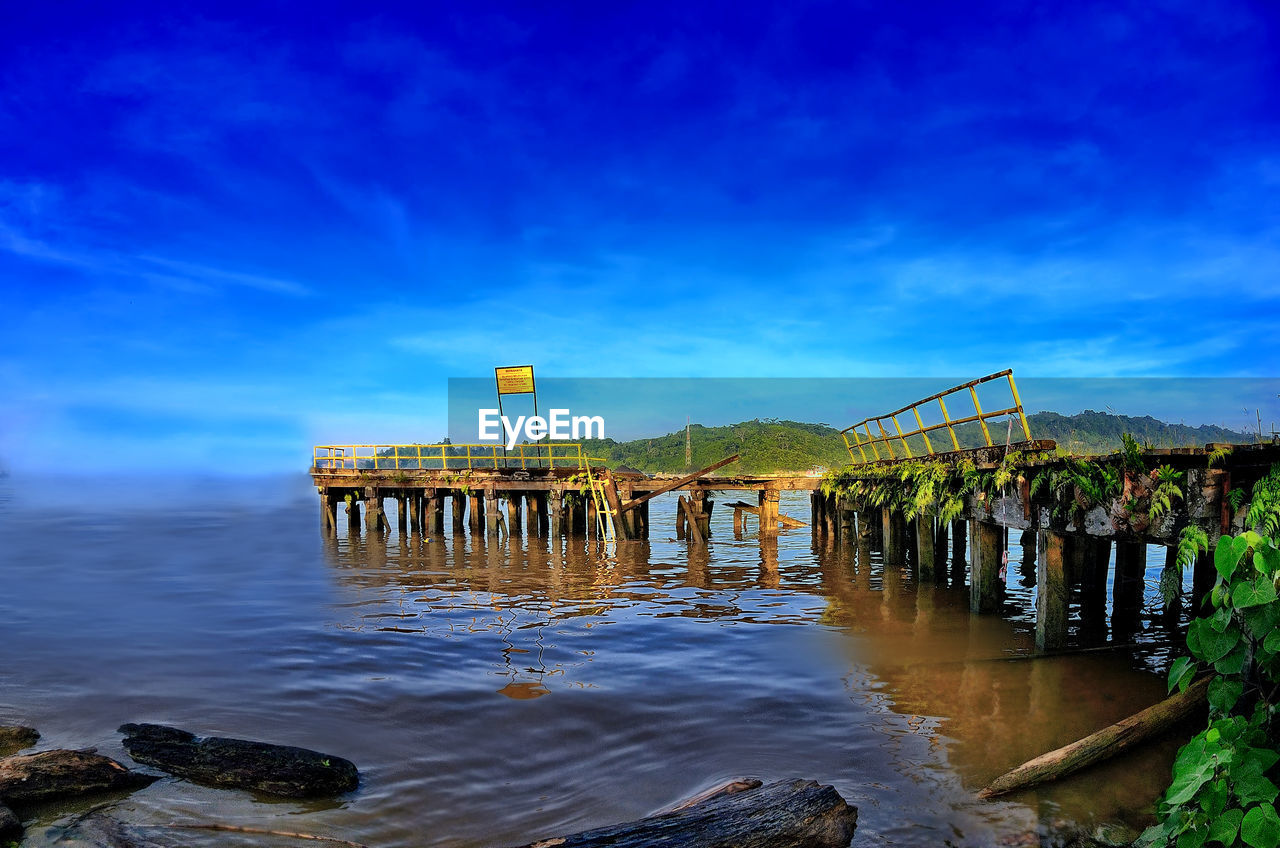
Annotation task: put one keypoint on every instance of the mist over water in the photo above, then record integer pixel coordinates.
(496, 693)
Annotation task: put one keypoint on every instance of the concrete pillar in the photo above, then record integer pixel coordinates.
(926, 540)
(1127, 587)
(1051, 592)
(984, 582)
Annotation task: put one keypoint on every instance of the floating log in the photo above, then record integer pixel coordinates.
(783, 814)
(239, 763)
(1104, 744)
(675, 484)
(49, 775)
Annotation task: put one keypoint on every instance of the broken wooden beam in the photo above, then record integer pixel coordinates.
(675, 484)
(783, 814)
(784, 520)
(1104, 744)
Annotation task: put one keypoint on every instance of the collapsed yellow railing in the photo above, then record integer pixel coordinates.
(887, 439)
(447, 457)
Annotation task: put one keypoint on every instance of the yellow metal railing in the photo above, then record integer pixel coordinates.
(446, 457)
(868, 439)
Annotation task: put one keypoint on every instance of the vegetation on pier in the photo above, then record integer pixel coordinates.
(774, 446)
(1223, 790)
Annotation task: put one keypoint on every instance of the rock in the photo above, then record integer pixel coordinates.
(10, 827)
(239, 763)
(28, 778)
(783, 814)
(14, 737)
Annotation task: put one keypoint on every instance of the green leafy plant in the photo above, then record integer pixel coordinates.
(1223, 790)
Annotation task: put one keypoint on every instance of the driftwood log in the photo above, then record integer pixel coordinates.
(48, 775)
(784, 814)
(1104, 744)
(239, 763)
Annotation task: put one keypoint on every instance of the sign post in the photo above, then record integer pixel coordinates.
(514, 380)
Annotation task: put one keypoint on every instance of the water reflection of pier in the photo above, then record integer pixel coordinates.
(929, 658)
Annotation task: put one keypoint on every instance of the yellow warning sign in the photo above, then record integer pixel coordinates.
(517, 380)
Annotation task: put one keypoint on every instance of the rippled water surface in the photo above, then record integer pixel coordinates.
(495, 693)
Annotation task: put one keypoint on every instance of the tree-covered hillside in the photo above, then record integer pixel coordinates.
(772, 446)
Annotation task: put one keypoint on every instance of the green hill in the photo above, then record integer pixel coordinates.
(773, 446)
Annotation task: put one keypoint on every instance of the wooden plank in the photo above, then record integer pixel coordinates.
(675, 484)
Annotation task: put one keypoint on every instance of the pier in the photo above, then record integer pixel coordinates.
(1086, 524)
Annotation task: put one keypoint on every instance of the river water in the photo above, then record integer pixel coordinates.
(493, 694)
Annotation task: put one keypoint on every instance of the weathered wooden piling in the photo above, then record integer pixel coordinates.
(926, 546)
(769, 511)
(477, 511)
(1051, 590)
(515, 525)
(959, 533)
(459, 512)
(985, 587)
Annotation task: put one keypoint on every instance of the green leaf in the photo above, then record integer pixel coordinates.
(1256, 789)
(1272, 642)
(1193, 838)
(1266, 561)
(1223, 694)
(1233, 663)
(1184, 668)
(1208, 644)
(1226, 557)
(1224, 827)
(1260, 827)
(1253, 593)
(1220, 619)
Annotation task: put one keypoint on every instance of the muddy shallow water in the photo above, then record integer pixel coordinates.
(493, 694)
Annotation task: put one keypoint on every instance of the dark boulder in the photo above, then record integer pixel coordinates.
(239, 763)
(15, 737)
(29, 778)
(10, 827)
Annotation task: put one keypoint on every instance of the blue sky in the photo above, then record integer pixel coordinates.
(228, 234)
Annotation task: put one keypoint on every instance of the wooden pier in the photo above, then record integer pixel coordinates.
(1072, 547)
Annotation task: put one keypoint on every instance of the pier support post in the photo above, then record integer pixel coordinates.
(329, 512)
(769, 511)
(895, 537)
(927, 537)
(459, 512)
(353, 513)
(514, 524)
(535, 515)
(984, 581)
(433, 512)
(642, 513)
(402, 511)
(1051, 590)
(555, 512)
(1128, 586)
(815, 515)
(833, 515)
(477, 512)
(415, 511)
(1093, 587)
(373, 509)
(493, 513)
